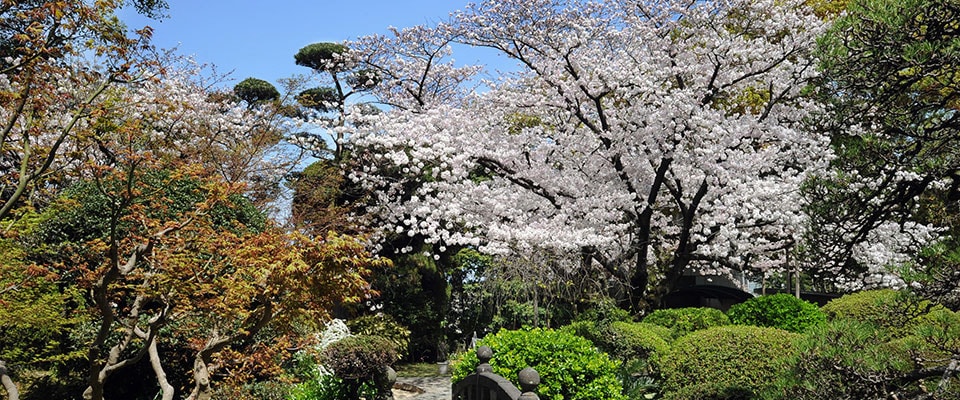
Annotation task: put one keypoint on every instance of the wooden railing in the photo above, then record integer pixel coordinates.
(486, 385)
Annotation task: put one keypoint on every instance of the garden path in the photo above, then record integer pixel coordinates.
(434, 388)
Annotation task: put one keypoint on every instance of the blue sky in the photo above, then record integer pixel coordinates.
(259, 38)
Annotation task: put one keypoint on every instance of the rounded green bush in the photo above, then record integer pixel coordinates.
(569, 366)
(685, 320)
(359, 357)
(781, 310)
(895, 311)
(727, 362)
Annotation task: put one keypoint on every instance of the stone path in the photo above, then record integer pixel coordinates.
(434, 388)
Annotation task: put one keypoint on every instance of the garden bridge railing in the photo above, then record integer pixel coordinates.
(486, 385)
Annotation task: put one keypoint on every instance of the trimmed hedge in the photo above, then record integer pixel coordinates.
(727, 362)
(895, 311)
(633, 340)
(624, 340)
(569, 366)
(359, 357)
(781, 310)
(685, 320)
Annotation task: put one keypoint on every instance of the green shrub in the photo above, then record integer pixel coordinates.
(781, 310)
(634, 340)
(612, 330)
(846, 359)
(726, 362)
(632, 343)
(359, 361)
(359, 357)
(941, 330)
(385, 326)
(685, 320)
(569, 366)
(898, 312)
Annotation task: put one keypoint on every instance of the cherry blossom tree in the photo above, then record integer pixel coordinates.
(406, 68)
(652, 138)
(890, 80)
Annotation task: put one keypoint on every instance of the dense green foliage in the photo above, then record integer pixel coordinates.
(569, 366)
(727, 362)
(255, 91)
(327, 387)
(897, 312)
(685, 320)
(359, 356)
(781, 310)
(604, 311)
(358, 361)
(847, 359)
(623, 340)
(415, 291)
(83, 212)
(321, 99)
(322, 56)
(633, 344)
(385, 326)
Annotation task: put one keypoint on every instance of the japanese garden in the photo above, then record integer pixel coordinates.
(658, 199)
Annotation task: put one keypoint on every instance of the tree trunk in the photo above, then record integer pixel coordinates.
(201, 378)
(165, 387)
(8, 384)
(202, 368)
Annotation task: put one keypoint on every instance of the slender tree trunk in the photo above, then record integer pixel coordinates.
(797, 283)
(165, 387)
(101, 370)
(8, 384)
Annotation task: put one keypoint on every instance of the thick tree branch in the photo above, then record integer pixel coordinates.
(7, 382)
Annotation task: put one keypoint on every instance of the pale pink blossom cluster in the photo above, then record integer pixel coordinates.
(179, 116)
(163, 113)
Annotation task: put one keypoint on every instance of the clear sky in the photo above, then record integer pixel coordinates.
(259, 38)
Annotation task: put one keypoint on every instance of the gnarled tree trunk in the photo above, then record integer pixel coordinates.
(8, 384)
